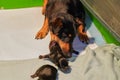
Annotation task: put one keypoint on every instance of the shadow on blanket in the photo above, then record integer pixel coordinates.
(78, 45)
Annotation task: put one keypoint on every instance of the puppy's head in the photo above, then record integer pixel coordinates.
(63, 64)
(54, 47)
(46, 72)
(64, 27)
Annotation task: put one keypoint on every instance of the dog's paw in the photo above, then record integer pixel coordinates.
(40, 35)
(43, 11)
(83, 37)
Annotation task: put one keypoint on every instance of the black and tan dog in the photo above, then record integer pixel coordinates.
(56, 56)
(63, 18)
(46, 72)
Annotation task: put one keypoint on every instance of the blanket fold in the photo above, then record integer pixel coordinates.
(102, 63)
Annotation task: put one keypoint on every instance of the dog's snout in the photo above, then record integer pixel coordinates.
(66, 48)
(67, 40)
(68, 54)
(67, 51)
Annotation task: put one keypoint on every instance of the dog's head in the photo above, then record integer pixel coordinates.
(63, 26)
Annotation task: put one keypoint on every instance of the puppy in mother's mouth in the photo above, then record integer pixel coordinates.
(56, 56)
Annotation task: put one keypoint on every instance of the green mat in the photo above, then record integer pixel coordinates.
(12, 4)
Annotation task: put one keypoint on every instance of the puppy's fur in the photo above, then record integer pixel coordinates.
(46, 72)
(64, 18)
(56, 56)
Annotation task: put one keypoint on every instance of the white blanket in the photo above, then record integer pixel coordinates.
(103, 63)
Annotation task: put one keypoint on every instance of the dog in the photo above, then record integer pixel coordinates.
(56, 56)
(64, 19)
(46, 72)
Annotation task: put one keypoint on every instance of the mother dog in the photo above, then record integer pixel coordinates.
(63, 18)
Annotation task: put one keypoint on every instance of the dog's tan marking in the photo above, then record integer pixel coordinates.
(43, 31)
(82, 34)
(44, 6)
(66, 47)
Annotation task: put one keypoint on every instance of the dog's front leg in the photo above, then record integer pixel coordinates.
(82, 34)
(81, 31)
(43, 31)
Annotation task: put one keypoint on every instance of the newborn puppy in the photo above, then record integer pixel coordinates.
(46, 72)
(56, 56)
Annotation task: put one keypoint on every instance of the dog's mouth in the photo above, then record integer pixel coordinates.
(69, 54)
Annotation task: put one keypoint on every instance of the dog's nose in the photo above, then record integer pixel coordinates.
(67, 40)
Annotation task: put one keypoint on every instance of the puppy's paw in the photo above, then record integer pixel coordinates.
(33, 76)
(40, 57)
(83, 37)
(40, 35)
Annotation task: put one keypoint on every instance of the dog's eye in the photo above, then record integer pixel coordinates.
(70, 35)
(64, 35)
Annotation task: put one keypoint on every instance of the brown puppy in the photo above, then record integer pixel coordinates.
(56, 56)
(64, 18)
(46, 72)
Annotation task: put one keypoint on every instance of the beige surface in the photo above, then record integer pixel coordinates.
(17, 32)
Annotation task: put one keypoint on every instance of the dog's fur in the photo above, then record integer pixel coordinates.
(46, 72)
(64, 18)
(56, 56)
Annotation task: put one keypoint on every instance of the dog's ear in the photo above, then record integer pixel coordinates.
(56, 25)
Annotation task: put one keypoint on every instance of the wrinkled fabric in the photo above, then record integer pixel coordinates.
(102, 63)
